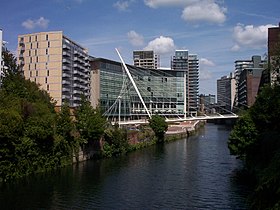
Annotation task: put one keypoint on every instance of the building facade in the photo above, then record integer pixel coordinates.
(145, 59)
(1, 63)
(59, 65)
(226, 91)
(111, 90)
(188, 63)
(240, 65)
(248, 86)
(274, 52)
(206, 103)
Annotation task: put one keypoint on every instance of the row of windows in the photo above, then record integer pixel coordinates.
(30, 73)
(37, 45)
(36, 38)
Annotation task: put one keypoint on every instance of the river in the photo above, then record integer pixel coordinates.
(193, 173)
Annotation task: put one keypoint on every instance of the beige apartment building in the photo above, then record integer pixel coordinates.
(146, 59)
(59, 65)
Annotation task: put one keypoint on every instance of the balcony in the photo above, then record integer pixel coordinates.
(77, 98)
(66, 47)
(76, 79)
(68, 68)
(67, 54)
(66, 61)
(77, 92)
(65, 82)
(66, 89)
(65, 97)
(67, 75)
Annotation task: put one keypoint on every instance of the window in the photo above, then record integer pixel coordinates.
(48, 87)
(36, 73)
(49, 43)
(48, 73)
(37, 44)
(46, 80)
(47, 37)
(36, 38)
(35, 66)
(30, 39)
(31, 46)
(37, 59)
(29, 52)
(47, 51)
(30, 59)
(35, 52)
(30, 74)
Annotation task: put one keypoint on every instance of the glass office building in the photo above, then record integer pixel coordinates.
(112, 90)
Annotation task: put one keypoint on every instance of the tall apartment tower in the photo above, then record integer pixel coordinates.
(146, 59)
(226, 89)
(190, 64)
(274, 52)
(59, 65)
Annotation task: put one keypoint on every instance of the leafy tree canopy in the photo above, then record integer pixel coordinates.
(159, 126)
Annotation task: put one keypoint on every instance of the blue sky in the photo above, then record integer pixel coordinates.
(218, 31)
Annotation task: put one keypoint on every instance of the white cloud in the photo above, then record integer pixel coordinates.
(165, 3)
(135, 39)
(40, 23)
(235, 48)
(206, 62)
(250, 36)
(194, 10)
(123, 5)
(207, 10)
(161, 45)
(205, 74)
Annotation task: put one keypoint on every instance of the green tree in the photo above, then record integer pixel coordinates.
(90, 123)
(159, 126)
(116, 141)
(10, 63)
(33, 137)
(242, 136)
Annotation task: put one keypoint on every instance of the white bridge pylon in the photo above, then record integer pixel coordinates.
(134, 84)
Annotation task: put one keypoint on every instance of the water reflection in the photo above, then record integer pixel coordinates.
(194, 173)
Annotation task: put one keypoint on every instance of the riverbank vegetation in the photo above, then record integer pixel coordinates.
(35, 136)
(256, 140)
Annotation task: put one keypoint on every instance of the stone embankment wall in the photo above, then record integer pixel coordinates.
(174, 132)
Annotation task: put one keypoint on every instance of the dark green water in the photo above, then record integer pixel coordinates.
(194, 173)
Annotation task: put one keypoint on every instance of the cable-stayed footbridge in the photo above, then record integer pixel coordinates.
(146, 92)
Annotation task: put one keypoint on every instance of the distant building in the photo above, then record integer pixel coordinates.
(145, 59)
(1, 60)
(188, 63)
(161, 90)
(274, 52)
(248, 86)
(256, 62)
(226, 90)
(206, 102)
(58, 64)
